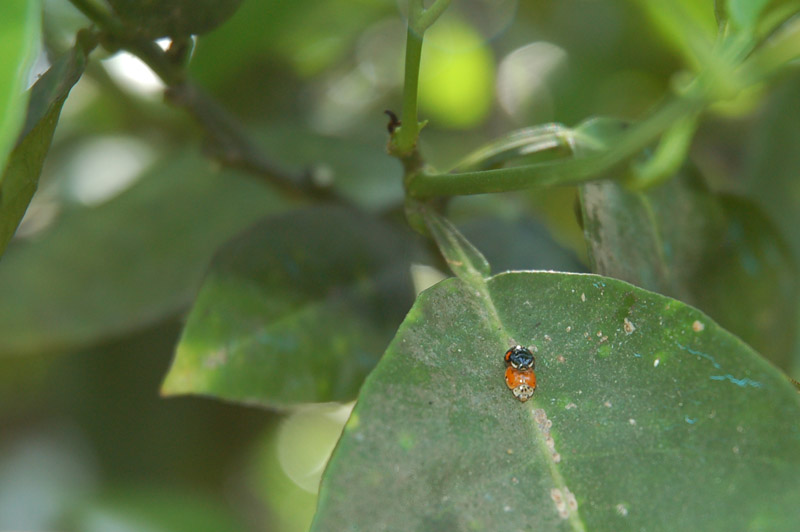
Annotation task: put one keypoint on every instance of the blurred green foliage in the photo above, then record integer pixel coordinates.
(97, 281)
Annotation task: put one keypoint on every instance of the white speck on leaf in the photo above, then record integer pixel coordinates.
(216, 359)
(583, 297)
(572, 502)
(698, 326)
(622, 510)
(561, 506)
(632, 421)
(628, 326)
(656, 362)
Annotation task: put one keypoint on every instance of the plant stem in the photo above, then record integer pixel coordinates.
(233, 145)
(562, 172)
(429, 16)
(404, 142)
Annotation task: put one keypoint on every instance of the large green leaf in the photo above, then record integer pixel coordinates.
(772, 164)
(647, 416)
(131, 261)
(19, 29)
(719, 253)
(297, 309)
(175, 18)
(21, 177)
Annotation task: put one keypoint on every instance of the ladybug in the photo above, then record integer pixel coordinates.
(520, 377)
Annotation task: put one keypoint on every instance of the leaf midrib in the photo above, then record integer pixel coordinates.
(498, 328)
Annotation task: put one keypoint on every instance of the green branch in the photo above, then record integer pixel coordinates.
(403, 143)
(423, 185)
(404, 140)
(232, 145)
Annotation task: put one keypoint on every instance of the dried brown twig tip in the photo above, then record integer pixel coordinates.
(394, 122)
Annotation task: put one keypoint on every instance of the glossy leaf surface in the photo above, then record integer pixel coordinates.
(296, 309)
(98, 272)
(21, 177)
(680, 240)
(645, 412)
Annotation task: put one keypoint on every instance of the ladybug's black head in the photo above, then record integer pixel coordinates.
(520, 358)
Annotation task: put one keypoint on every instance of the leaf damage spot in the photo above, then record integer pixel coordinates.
(561, 505)
(572, 502)
(216, 359)
(570, 406)
(656, 362)
(583, 297)
(632, 421)
(622, 510)
(698, 326)
(628, 326)
(569, 328)
(689, 420)
(565, 501)
(607, 404)
(561, 359)
(545, 424)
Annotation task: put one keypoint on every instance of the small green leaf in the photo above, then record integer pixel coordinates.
(21, 176)
(680, 240)
(463, 258)
(19, 31)
(647, 415)
(102, 271)
(297, 309)
(152, 19)
(517, 144)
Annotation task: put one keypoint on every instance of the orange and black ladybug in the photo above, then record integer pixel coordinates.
(520, 377)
